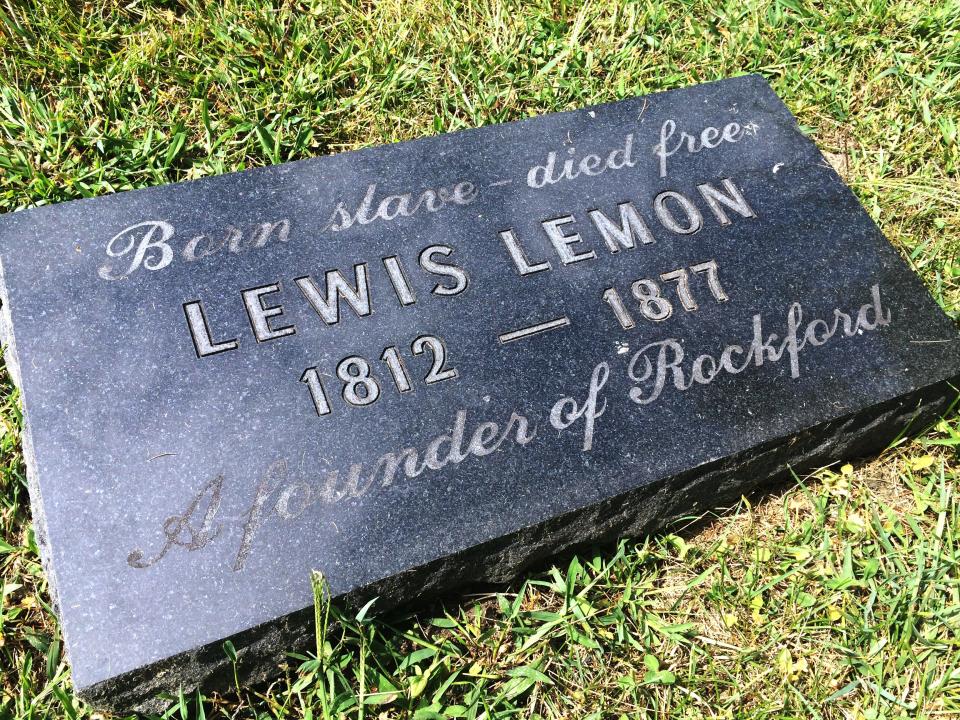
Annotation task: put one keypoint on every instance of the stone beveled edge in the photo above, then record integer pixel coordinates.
(640, 511)
(12, 361)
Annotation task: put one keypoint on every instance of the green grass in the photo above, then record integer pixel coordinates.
(838, 598)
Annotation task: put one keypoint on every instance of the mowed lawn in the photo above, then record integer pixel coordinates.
(836, 597)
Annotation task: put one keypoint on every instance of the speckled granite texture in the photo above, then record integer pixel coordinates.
(517, 340)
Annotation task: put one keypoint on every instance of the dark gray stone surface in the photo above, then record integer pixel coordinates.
(186, 477)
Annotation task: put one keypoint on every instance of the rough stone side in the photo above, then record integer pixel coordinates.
(642, 511)
(12, 361)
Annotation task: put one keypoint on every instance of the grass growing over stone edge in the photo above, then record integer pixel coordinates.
(838, 597)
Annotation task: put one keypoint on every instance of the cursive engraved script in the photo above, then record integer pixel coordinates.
(391, 207)
(278, 495)
(653, 365)
(148, 245)
(152, 244)
(177, 529)
(652, 369)
(709, 138)
(567, 411)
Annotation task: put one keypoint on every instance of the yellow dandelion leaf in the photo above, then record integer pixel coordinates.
(784, 663)
(856, 523)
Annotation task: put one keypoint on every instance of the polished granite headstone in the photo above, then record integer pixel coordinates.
(433, 363)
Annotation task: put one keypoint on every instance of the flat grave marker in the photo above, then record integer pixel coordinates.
(437, 362)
